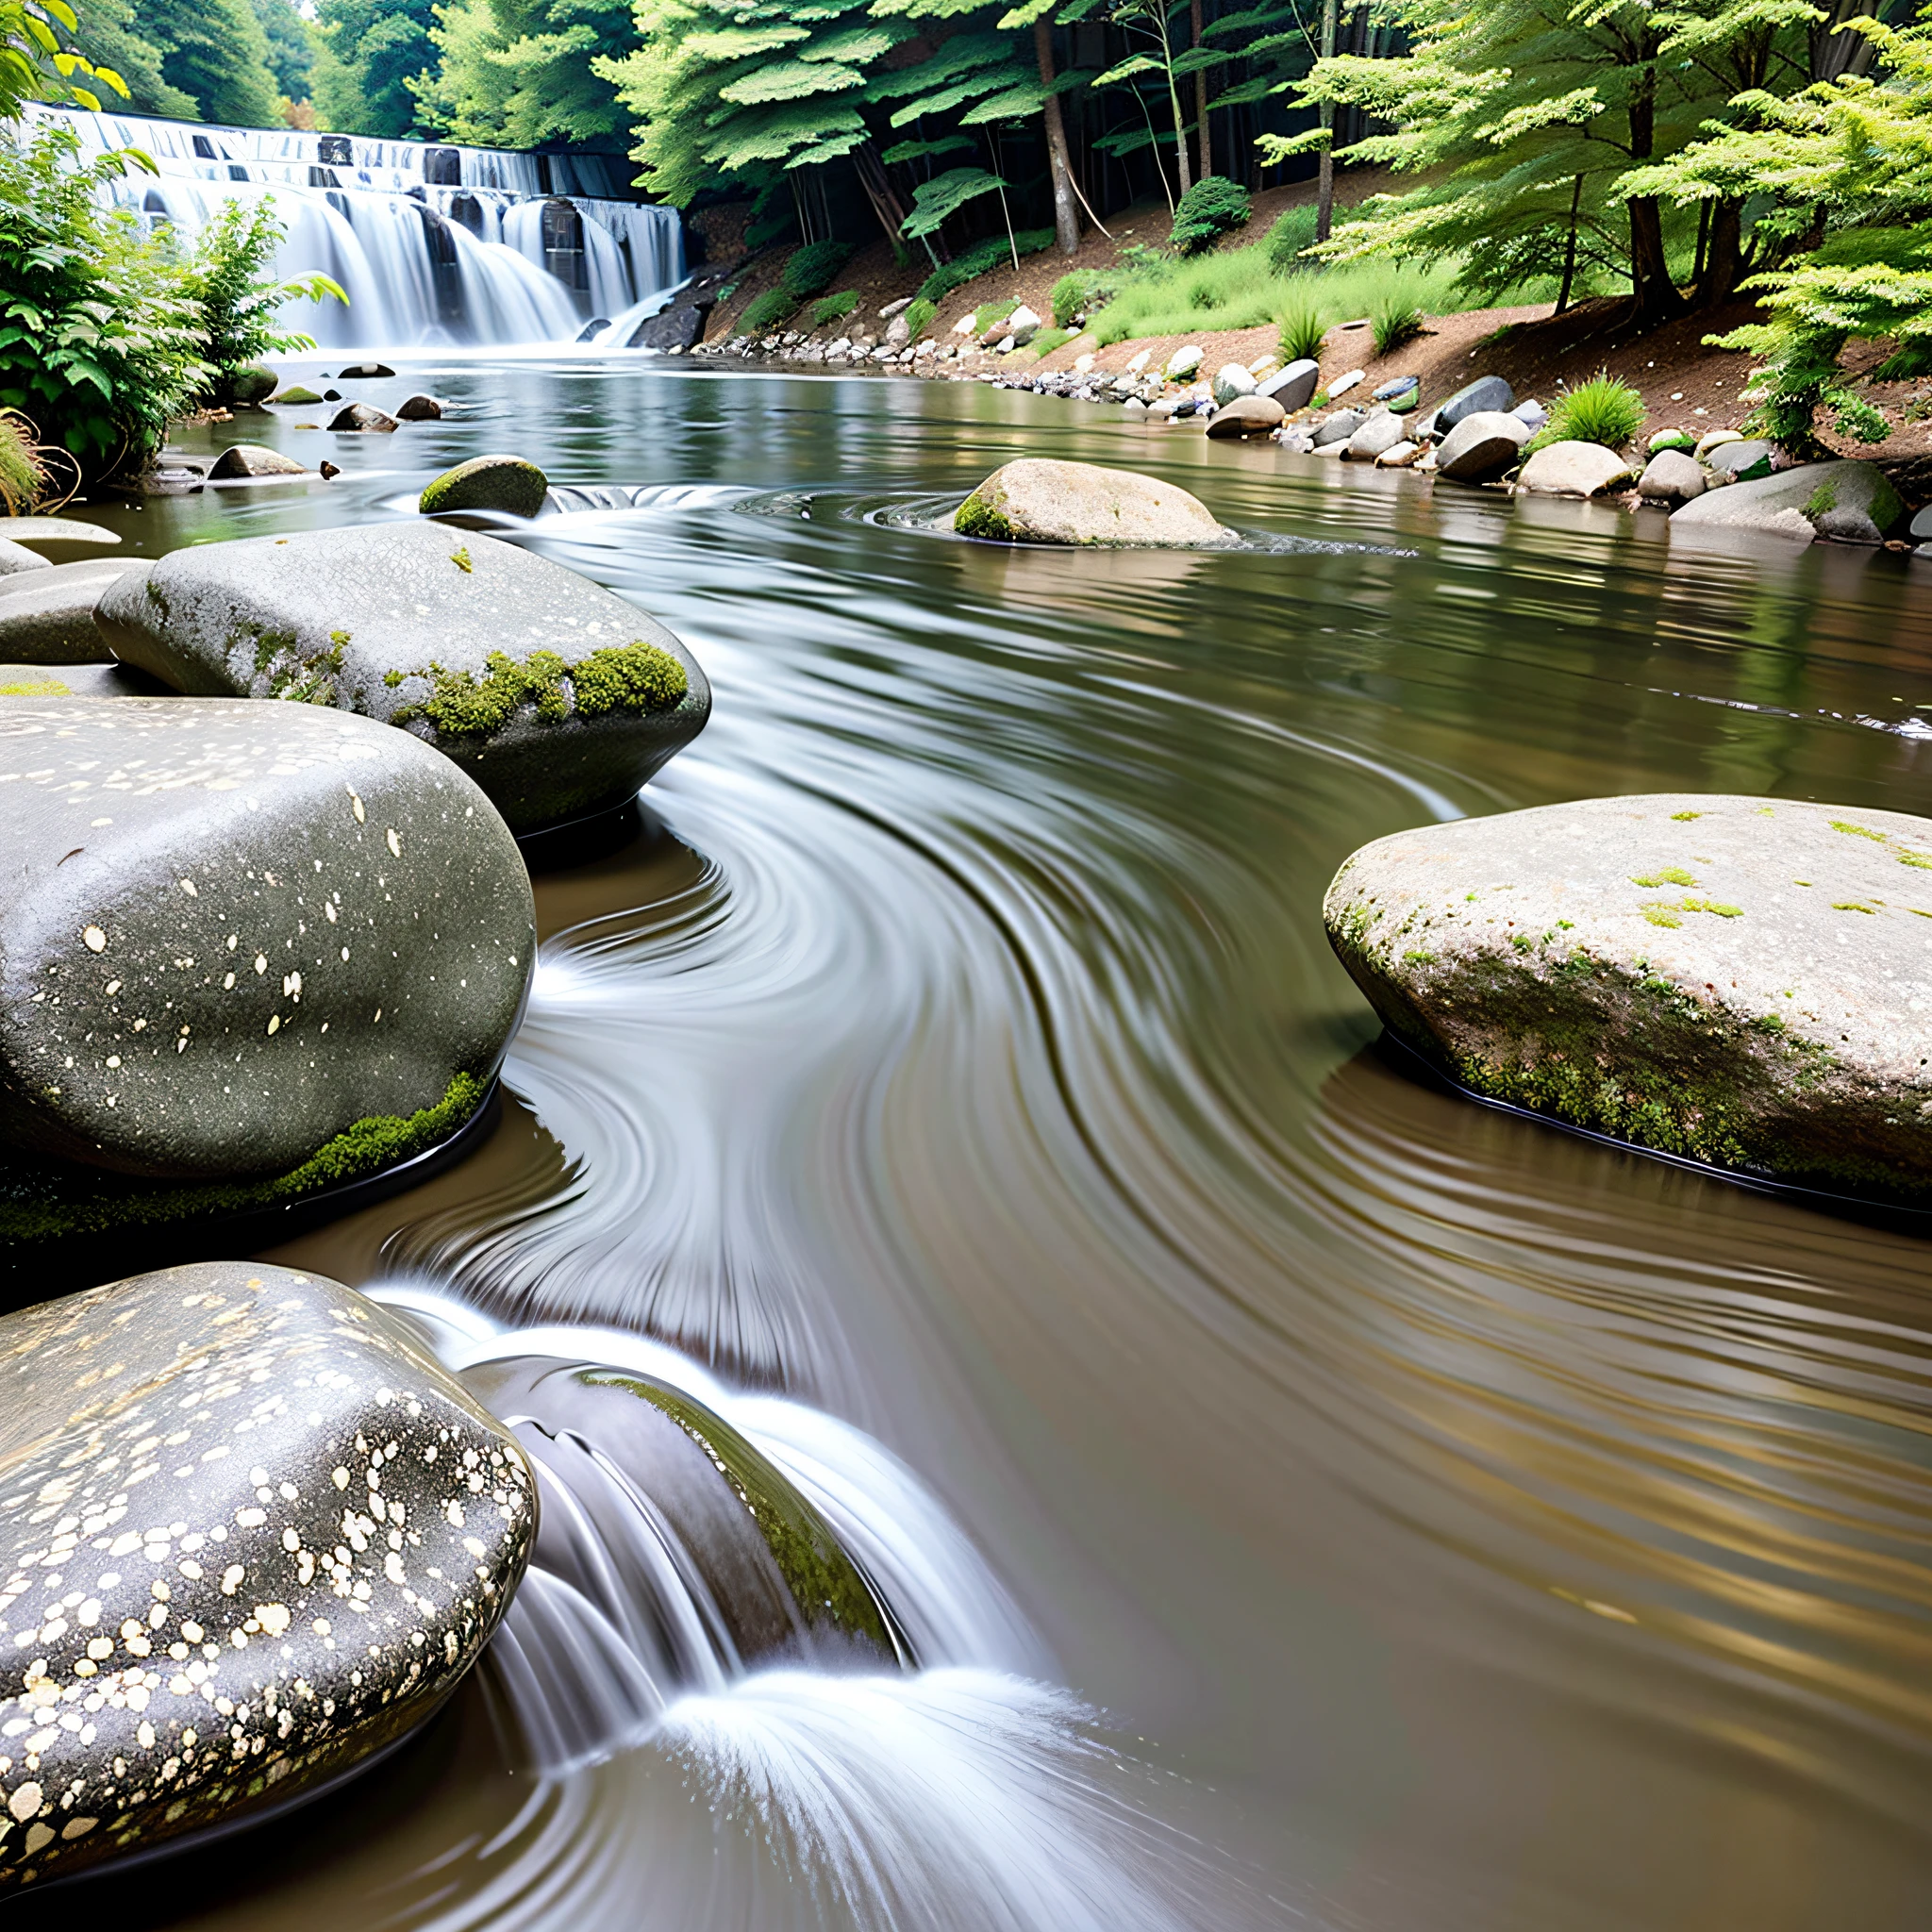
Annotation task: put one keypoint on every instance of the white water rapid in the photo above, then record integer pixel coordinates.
(436, 245)
(961, 1790)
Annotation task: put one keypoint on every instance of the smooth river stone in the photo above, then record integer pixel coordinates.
(47, 616)
(558, 697)
(230, 933)
(251, 1534)
(1852, 501)
(1744, 981)
(1038, 499)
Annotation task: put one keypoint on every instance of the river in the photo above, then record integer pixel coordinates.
(1336, 1505)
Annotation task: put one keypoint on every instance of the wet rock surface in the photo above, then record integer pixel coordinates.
(242, 459)
(497, 482)
(252, 1534)
(1246, 416)
(556, 696)
(362, 417)
(237, 940)
(47, 616)
(1742, 981)
(1037, 500)
(1848, 500)
(15, 557)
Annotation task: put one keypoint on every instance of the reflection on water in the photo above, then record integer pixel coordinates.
(1479, 1530)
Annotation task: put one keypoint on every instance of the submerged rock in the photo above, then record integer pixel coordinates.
(1575, 469)
(1742, 981)
(1037, 500)
(364, 371)
(500, 482)
(1851, 501)
(1246, 416)
(782, 1583)
(1481, 446)
(362, 417)
(254, 459)
(556, 696)
(47, 616)
(419, 409)
(242, 940)
(278, 1537)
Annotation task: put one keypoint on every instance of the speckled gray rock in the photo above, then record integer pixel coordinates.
(1038, 500)
(1481, 446)
(1338, 427)
(1575, 469)
(15, 557)
(47, 616)
(1849, 500)
(554, 695)
(230, 933)
(35, 531)
(251, 1534)
(1382, 430)
(1744, 981)
(1672, 475)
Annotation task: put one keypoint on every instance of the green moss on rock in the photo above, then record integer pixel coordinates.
(978, 517)
(636, 677)
(495, 482)
(47, 1203)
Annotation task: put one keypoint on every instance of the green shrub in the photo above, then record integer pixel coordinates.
(1213, 207)
(100, 337)
(1293, 231)
(1304, 323)
(1603, 409)
(229, 277)
(834, 307)
(808, 271)
(981, 258)
(990, 312)
(766, 311)
(919, 318)
(22, 475)
(1081, 294)
(1048, 340)
(1394, 322)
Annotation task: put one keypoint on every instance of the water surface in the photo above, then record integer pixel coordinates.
(1400, 1517)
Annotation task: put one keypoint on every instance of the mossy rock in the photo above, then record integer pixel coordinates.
(1038, 500)
(297, 394)
(1730, 979)
(502, 483)
(249, 384)
(1671, 438)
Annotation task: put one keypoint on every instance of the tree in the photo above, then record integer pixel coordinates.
(1527, 116)
(215, 52)
(290, 53)
(371, 50)
(519, 73)
(116, 41)
(1842, 175)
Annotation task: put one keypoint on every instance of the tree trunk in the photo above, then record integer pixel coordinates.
(886, 205)
(1066, 217)
(1201, 96)
(1655, 295)
(1723, 264)
(1835, 54)
(1324, 179)
(1569, 248)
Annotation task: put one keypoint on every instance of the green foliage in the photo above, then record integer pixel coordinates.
(834, 308)
(919, 318)
(22, 474)
(290, 53)
(1395, 321)
(990, 312)
(1213, 207)
(981, 258)
(1294, 231)
(637, 677)
(520, 73)
(936, 201)
(808, 271)
(1304, 324)
(216, 53)
(1080, 293)
(118, 42)
(767, 311)
(100, 337)
(368, 53)
(1604, 409)
(1048, 340)
(228, 277)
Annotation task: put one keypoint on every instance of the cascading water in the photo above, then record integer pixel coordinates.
(931, 1778)
(438, 245)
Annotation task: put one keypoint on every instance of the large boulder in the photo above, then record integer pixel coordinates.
(39, 530)
(1744, 460)
(250, 384)
(493, 483)
(1672, 475)
(15, 557)
(1740, 980)
(1038, 500)
(1292, 385)
(1575, 469)
(1848, 500)
(252, 459)
(76, 681)
(47, 616)
(556, 696)
(1381, 431)
(242, 940)
(254, 1535)
(1246, 416)
(1481, 446)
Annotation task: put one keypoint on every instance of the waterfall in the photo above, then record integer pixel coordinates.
(436, 245)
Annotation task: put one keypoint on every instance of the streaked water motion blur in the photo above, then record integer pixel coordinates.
(1458, 1527)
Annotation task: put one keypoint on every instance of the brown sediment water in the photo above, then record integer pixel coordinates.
(1461, 1527)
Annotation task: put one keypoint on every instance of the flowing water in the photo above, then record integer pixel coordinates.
(1305, 1499)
